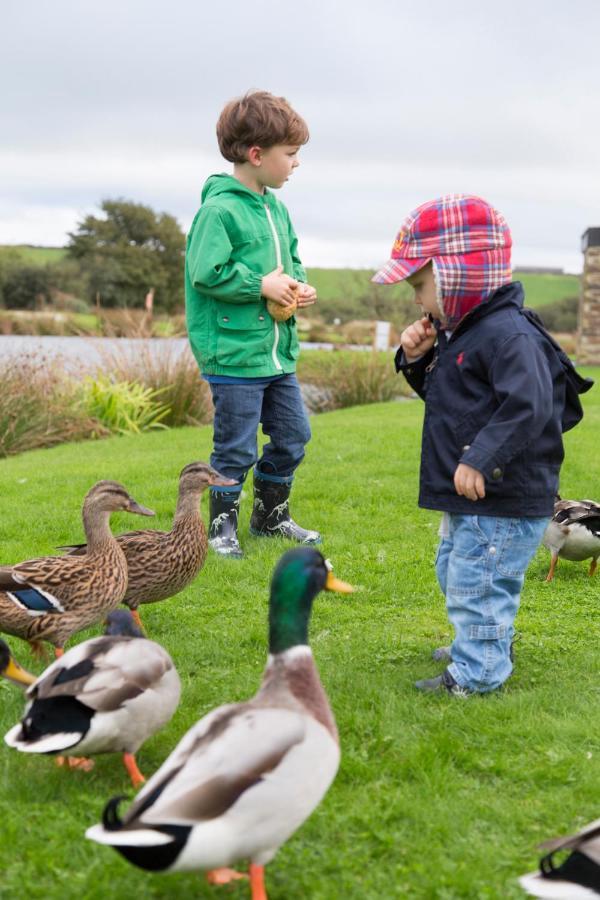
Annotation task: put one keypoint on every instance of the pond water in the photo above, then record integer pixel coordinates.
(91, 352)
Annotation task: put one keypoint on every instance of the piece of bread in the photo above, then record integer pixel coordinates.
(282, 313)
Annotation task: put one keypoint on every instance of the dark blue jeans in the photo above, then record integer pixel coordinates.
(240, 409)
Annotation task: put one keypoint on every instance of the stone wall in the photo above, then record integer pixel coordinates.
(588, 331)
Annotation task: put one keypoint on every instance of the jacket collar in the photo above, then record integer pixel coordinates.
(506, 296)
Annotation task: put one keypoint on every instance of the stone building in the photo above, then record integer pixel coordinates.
(588, 330)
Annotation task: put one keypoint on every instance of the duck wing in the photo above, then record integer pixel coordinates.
(226, 753)
(591, 522)
(135, 540)
(103, 673)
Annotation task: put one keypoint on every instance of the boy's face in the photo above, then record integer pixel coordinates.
(276, 164)
(423, 284)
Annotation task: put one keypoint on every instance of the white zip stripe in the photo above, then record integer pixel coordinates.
(275, 236)
(278, 259)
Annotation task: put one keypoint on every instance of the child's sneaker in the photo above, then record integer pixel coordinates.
(445, 681)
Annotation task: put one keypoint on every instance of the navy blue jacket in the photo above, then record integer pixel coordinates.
(494, 396)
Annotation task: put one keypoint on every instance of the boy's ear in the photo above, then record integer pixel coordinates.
(255, 156)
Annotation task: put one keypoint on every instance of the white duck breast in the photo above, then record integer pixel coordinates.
(108, 694)
(574, 541)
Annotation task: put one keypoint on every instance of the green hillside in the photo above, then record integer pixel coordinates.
(36, 255)
(353, 283)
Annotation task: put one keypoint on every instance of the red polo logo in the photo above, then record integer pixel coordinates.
(460, 358)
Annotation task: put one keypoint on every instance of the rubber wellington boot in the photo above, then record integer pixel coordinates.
(222, 532)
(271, 513)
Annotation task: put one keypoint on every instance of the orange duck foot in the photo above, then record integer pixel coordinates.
(136, 618)
(257, 882)
(130, 764)
(76, 762)
(224, 876)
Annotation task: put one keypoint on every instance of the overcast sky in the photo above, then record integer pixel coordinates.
(404, 101)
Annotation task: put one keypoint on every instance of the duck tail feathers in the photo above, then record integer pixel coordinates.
(51, 743)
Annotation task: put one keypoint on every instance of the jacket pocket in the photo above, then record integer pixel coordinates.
(244, 335)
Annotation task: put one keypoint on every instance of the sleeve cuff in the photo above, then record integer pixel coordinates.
(484, 462)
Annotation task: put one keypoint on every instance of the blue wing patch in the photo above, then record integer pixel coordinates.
(34, 601)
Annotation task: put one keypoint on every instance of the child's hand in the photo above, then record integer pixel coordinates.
(307, 294)
(418, 338)
(279, 287)
(469, 482)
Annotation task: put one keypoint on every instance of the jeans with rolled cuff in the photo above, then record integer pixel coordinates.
(480, 566)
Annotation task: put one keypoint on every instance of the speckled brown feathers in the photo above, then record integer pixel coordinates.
(162, 563)
(81, 589)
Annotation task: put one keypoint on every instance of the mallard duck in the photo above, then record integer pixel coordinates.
(573, 533)
(106, 695)
(10, 668)
(247, 775)
(162, 563)
(577, 876)
(51, 598)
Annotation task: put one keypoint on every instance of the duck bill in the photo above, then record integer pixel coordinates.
(335, 584)
(221, 481)
(14, 672)
(139, 509)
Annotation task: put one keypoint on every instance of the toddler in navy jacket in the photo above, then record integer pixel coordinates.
(495, 391)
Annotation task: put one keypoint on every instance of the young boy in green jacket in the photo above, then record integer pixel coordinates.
(241, 252)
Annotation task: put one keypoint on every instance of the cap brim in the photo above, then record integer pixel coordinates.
(396, 270)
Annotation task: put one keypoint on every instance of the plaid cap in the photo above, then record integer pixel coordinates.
(469, 243)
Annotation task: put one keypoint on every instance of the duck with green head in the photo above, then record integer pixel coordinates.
(247, 775)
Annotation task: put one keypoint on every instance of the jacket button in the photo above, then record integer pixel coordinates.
(226, 318)
(497, 474)
(466, 447)
(261, 318)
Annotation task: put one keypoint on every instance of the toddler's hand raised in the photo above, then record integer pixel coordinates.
(279, 287)
(418, 338)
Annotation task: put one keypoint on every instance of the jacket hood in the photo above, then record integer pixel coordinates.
(226, 184)
(507, 295)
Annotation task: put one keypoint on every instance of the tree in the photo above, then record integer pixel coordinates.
(128, 251)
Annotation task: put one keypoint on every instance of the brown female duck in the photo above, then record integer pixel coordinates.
(162, 563)
(53, 597)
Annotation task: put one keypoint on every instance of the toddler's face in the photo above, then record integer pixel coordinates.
(423, 284)
(277, 164)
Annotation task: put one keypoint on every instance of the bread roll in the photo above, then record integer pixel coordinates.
(282, 313)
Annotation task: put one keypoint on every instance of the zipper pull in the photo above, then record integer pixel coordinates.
(431, 365)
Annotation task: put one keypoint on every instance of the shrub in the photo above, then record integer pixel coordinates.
(561, 315)
(175, 374)
(124, 407)
(39, 407)
(349, 378)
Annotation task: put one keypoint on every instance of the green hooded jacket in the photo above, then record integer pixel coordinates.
(236, 238)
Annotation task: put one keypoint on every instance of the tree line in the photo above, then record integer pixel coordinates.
(113, 260)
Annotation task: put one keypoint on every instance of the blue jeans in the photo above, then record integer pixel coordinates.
(240, 409)
(480, 566)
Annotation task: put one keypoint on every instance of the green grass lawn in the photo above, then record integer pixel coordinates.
(436, 797)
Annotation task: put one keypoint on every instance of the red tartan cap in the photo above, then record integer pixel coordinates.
(451, 226)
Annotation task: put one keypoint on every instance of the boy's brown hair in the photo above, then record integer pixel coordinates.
(258, 119)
